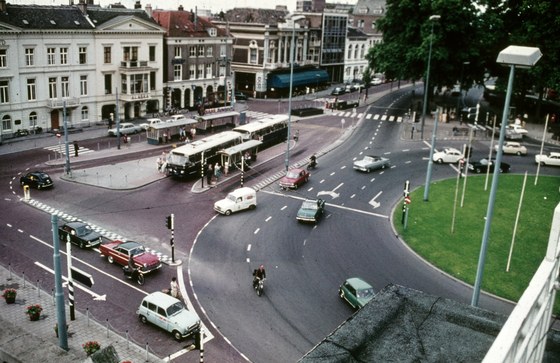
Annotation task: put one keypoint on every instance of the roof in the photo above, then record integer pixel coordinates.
(256, 16)
(404, 325)
(181, 23)
(44, 17)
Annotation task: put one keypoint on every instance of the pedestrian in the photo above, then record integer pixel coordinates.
(296, 136)
(174, 291)
(165, 137)
(159, 164)
(209, 174)
(76, 148)
(193, 133)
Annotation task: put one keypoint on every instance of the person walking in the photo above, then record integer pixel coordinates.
(76, 148)
(174, 291)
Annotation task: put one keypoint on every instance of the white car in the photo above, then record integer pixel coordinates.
(126, 128)
(512, 147)
(150, 123)
(376, 81)
(518, 129)
(550, 159)
(448, 155)
(371, 162)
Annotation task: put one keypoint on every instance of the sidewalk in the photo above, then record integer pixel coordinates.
(22, 340)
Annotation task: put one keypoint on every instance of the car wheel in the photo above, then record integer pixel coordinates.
(440, 161)
(110, 259)
(477, 170)
(228, 212)
(518, 153)
(143, 319)
(341, 294)
(252, 206)
(82, 245)
(543, 163)
(306, 180)
(178, 337)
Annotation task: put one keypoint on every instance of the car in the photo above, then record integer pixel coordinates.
(294, 178)
(311, 210)
(177, 118)
(168, 313)
(518, 129)
(337, 91)
(240, 96)
(126, 128)
(36, 179)
(551, 159)
(356, 292)
(119, 252)
(350, 87)
(150, 123)
(371, 162)
(80, 234)
(376, 81)
(512, 147)
(448, 155)
(483, 165)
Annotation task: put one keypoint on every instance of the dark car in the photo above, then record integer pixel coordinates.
(240, 96)
(356, 292)
(337, 91)
(80, 234)
(294, 178)
(311, 210)
(37, 180)
(483, 165)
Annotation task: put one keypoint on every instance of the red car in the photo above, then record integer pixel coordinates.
(294, 179)
(119, 252)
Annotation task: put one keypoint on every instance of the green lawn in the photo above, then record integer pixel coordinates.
(429, 229)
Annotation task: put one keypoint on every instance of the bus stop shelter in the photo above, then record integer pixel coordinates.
(169, 131)
(232, 155)
(216, 121)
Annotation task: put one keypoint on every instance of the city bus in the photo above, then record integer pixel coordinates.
(270, 131)
(186, 160)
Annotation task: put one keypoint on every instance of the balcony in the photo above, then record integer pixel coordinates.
(134, 64)
(135, 97)
(71, 102)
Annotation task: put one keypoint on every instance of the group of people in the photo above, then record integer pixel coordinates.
(213, 173)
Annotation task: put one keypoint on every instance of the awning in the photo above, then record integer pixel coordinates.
(306, 78)
(241, 147)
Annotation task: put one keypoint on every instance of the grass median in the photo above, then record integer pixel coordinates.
(449, 235)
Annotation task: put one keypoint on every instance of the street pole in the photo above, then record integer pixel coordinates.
(427, 81)
(66, 147)
(59, 293)
(242, 169)
(70, 279)
(431, 161)
(118, 119)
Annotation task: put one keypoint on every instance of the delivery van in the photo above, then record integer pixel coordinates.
(239, 199)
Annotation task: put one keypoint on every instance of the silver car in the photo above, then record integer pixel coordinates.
(371, 162)
(126, 128)
(512, 147)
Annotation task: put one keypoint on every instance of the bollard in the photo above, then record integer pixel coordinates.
(26, 193)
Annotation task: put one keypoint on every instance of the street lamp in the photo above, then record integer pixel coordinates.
(427, 81)
(292, 46)
(513, 56)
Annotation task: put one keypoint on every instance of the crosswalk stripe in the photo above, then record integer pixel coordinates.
(62, 150)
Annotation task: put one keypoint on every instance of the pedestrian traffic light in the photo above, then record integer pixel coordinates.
(197, 339)
(169, 221)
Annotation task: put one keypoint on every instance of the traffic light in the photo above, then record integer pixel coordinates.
(169, 221)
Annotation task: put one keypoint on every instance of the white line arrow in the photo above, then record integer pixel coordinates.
(331, 192)
(78, 286)
(373, 202)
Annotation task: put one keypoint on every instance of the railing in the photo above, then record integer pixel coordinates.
(59, 103)
(134, 64)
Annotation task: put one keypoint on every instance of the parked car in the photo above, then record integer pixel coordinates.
(294, 178)
(37, 180)
(356, 292)
(177, 118)
(126, 128)
(518, 129)
(350, 87)
(311, 210)
(80, 233)
(168, 313)
(371, 162)
(240, 96)
(119, 252)
(551, 159)
(376, 81)
(482, 166)
(448, 155)
(512, 147)
(150, 123)
(337, 91)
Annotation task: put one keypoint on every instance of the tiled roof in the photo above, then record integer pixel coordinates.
(101, 15)
(259, 16)
(44, 17)
(183, 24)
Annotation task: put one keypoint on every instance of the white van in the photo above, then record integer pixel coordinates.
(168, 313)
(239, 199)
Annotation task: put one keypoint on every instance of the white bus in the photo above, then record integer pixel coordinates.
(271, 130)
(186, 160)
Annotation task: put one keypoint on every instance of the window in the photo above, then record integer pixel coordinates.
(31, 91)
(52, 87)
(3, 58)
(199, 72)
(64, 86)
(33, 119)
(192, 70)
(209, 51)
(152, 53)
(106, 55)
(253, 55)
(222, 50)
(108, 84)
(83, 55)
(6, 123)
(177, 52)
(130, 53)
(124, 86)
(192, 51)
(85, 113)
(29, 52)
(177, 72)
(356, 51)
(152, 81)
(349, 51)
(362, 51)
(51, 54)
(208, 71)
(83, 86)
(201, 50)
(4, 92)
(63, 55)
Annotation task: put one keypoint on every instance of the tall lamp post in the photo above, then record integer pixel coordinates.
(292, 46)
(427, 81)
(513, 56)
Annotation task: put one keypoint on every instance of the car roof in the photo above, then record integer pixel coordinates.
(554, 154)
(130, 245)
(164, 300)
(358, 283)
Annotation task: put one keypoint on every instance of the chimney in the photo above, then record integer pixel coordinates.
(2, 6)
(149, 10)
(83, 7)
(181, 8)
(137, 5)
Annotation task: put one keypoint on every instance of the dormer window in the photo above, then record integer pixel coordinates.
(53, 22)
(212, 32)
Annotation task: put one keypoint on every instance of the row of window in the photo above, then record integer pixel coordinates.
(7, 121)
(355, 49)
(200, 51)
(54, 83)
(200, 72)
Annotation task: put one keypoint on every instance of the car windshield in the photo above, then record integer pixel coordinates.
(309, 204)
(292, 174)
(137, 251)
(83, 230)
(364, 294)
(370, 159)
(175, 308)
(231, 197)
